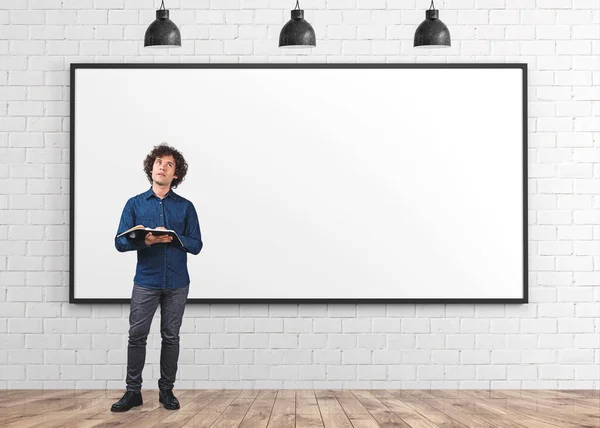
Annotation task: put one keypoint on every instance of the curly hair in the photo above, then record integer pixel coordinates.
(163, 149)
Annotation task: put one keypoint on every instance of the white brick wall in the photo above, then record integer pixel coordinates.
(551, 343)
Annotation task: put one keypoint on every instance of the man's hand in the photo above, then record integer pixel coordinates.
(151, 239)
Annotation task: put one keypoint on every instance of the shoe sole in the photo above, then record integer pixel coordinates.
(160, 400)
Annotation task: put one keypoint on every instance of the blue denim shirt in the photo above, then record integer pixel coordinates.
(161, 265)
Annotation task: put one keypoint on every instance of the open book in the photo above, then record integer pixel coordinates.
(139, 233)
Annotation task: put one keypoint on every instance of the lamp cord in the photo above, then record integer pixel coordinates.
(298, 4)
(162, 5)
(431, 6)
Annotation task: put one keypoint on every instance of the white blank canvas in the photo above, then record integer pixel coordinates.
(311, 183)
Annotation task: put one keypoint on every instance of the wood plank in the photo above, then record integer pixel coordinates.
(384, 416)
(460, 413)
(365, 423)
(332, 413)
(351, 406)
(532, 411)
(493, 410)
(581, 393)
(22, 398)
(308, 414)
(561, 406)
(234, 414)
(408, 414)
(59, 413)
(283, 414)
(207, 415)
(434, 415)
(259, 413)
(190, 407)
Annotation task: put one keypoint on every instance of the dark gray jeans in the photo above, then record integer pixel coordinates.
(144, 302)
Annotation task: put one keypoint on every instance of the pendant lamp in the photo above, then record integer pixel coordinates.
(432, 33)
(297, 32)
(162, 33)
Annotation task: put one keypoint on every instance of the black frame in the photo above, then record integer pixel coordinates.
(523, 67)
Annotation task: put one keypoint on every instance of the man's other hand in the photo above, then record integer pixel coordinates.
(152, 239)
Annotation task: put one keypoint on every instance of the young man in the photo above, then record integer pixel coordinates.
(161, 275)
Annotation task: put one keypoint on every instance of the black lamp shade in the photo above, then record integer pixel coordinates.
(162, 33)
(297, 32)
(432, 32)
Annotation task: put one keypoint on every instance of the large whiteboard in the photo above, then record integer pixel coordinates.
(311, 182)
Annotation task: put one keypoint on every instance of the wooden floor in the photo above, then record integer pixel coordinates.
(308, 408)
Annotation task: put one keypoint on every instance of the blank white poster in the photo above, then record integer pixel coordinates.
(311, 183)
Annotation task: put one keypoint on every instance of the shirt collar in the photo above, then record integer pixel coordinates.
(150, 193)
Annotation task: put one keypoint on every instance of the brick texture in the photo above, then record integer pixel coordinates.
(551, 343)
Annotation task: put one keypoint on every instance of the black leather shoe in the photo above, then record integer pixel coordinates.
(166, 397)
(129, 400)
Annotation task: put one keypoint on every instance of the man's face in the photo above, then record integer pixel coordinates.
(163, 171)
